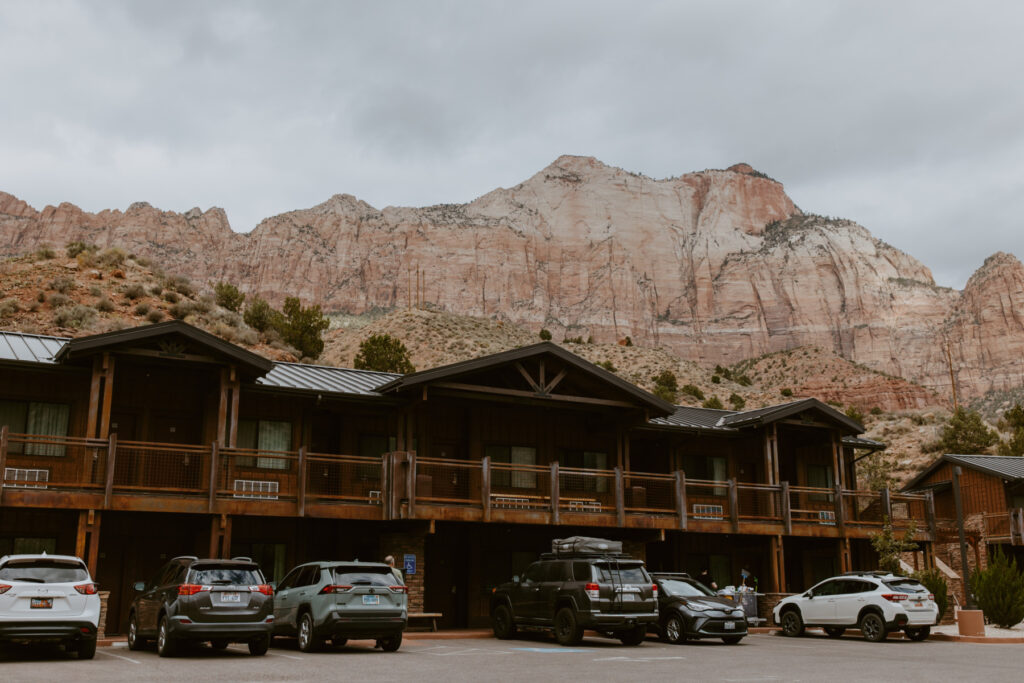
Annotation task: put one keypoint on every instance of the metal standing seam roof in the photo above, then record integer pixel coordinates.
(696, 418)
(1005, 466)
(325, 378)
(30, 348)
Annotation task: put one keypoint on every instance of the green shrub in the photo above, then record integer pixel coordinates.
(855, 414)
(737, 401)
(627, 341)
(545, 335)
(44, 253)
(62, 284)
(743, 381)
(109, 258)
(180, 284)
(713, 402)
(716, 379)
(104, 305)
(58, 300)
(134, 292)
(383, 353)
(77, 316)
(302, 327)
(723, 371)
(876, 411)
(935, 581)
(966, 433)
(889, 547)
(155, 316)
(607, 365)
(572, 340)
(75, 248)
(259, 315)
(999, 590)
(693, 391)
(182, 310)
(156, 290)
(171, 297)
(228, 296)
(786, 391)
(667, 379)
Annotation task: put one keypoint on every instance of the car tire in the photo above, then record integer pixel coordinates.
(567, 628)
(259, 646)
(165, 645)
(633, 636)
(792, 623)
(308, 641)
(675, 630)
(919, 634)
(135, 641)
(219, 644)
(834, 631)
(872, 627)
(731, 640)
(502, 624)
(391, 643)
(86, 648)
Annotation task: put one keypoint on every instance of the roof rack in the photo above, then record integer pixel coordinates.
(588, 556)
(670, 575)
(869, 573)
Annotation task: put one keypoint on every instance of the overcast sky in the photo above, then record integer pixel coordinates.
(907, 117)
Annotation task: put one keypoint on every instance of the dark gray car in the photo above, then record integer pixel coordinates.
(192, 600)
(690, 611)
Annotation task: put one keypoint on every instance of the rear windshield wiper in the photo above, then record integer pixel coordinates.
(28, 578)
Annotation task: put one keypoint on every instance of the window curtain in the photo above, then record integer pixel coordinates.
(499, 454)
(596, 460)
(719, 472)
(274, 436)
(13, 414)
(47, 419)
(523, 455)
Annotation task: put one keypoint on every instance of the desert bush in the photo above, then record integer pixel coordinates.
(180, 284)
(737, 402)
(713, 402)
(8, 307)
(876, 411)
(111, 258)
(44, 253)
(58, 300)
(259, 315)
(156, 290)
(62, 284)
(182, 310)
(104, 305)
(155, 316)
(248, 337)
(142, 309)
(224, 331)
(95, 291)
(743, 381)
(171, 297)
(627, 341)
(786, 391)
(694, 391)
(86, 259)
(383, 353)
(134, 292)
(41, 297)
(545, 335)
(203, 304)
(607, 365)
(228, 296)
(77, 316)
(302, 327)
(73, 249)
(854, 414)
(716, 379)
(999, 590)
(572, 340)
(935, 581)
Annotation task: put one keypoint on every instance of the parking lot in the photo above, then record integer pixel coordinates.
(757, 658)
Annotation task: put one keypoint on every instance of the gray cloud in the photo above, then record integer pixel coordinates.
(902, 116)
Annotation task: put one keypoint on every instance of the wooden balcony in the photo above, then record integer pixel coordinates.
(1006, 527)
(77, 473)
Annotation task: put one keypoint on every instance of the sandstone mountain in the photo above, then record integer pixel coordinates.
(716, 266)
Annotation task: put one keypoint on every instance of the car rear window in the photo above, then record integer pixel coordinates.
(225, 576)
(44, 571)
(906, 586)
(684, 589)
(365, 576)
(621, 573)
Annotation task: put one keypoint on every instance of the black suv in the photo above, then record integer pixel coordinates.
(690, 611)
(609, 593)
(222, 601)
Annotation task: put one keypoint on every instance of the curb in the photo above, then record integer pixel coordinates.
(945, 637)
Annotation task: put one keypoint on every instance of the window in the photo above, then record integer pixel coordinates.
(515, 455)
(33, 546)
(535, 574)
(373, 446)
(588, 460)
(719, 471)
(34, 417)
(264, 435)
(820, 477)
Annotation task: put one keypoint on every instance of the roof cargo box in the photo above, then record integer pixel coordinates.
(576, 545)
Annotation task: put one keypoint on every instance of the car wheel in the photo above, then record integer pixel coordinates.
(835, 631)
(633, 636)
(135, 641)
(675, 630)
(567, 628)
(165, 645)
(259, 646)
(219, 644)
(391, 643)
(792, 624)
(872, 627)
(86, 648)
(731, 640)
(308, 642)
(501, 622)
(919, 634)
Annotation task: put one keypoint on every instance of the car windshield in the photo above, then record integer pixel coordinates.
(680, 588)
(621, 573)
(365, 576)
(44, 571)
(906, 586)
(225, 576)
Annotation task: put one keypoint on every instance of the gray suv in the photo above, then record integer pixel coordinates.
(192, 600)
(341, 600)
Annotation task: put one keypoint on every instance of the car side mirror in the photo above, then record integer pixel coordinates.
(273, 585)
(515, 579)
(139, 586)
(809, 595)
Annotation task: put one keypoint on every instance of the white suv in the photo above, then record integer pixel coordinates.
(49, 598)
(874, 602)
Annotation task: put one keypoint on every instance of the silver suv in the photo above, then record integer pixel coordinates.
(875, 602)
(341, 601)
(49, 598)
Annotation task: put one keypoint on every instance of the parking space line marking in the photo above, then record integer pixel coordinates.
(111, 654)
(635, 659)
(272, 654)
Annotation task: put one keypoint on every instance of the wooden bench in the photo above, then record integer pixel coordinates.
(432, 616)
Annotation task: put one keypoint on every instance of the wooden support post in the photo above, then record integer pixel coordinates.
(411, 472)
(620, 498)
(301, 464)
(222, 408)
(83, 522)
(840, 509)
(773, 544)
(108, 394)
(485, 486)
(775, 452)
(225, 526)
(386, 491)
(236, 390)
(929, 513)
(108, 489)
(837, 457)
(845, 560)
(554, 492)
(3, 459)
(214, 467)
(1020, 523)
(787, 510)
(734, 506)
(681, 498)
(885, 500)
(94, 541)
(94, 398)
(215, 537)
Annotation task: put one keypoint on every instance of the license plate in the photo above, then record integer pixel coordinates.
(630, 597)
(371, 599)
(41, 603)
(230, 597)
(918, 604)
(730, 626)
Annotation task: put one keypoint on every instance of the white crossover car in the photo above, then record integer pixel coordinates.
(875, 602)
(49, 598)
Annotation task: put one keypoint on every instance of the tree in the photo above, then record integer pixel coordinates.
(302, 327)
(383, 353)
(737, 401)
(228, 296)
(854, 414)
(1014, 419)
(875, 471)
(545, 335)
(889, 547)
(966, 434)
(935, 581)
(999, 589)
(713, 402)
(260, 316)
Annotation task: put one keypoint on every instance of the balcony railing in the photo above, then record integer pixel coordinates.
(1006, 525)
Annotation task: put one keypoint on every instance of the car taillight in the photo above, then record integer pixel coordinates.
(85, 588)
(191, 589)
(4, 588)
(397, 589)
(654, 588)
(264, 588)
(335, 589)
(593, 591)
(931, 596)
(895, 597)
